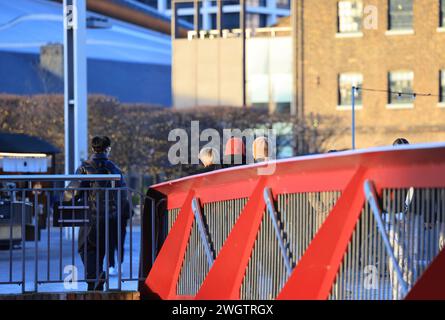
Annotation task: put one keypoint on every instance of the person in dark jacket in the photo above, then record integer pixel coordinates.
(210, 160)
(92, 237)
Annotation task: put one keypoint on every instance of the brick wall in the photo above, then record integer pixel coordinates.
(373, 55)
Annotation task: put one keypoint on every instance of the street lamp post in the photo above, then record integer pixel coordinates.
(353, 117)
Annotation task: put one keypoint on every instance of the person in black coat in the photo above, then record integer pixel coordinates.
(92, 237)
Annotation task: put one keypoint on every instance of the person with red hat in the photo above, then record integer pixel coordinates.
(234, 152)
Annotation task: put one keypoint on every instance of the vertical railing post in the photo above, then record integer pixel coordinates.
(353, 117)
(196, 208)
(23, 231)
(119, 240)
(268, 198)
(243, 8)
(371, 196)
(107, 241)
(36, 242)
(153, 233)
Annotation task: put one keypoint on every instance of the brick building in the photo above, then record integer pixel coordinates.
(396, 45)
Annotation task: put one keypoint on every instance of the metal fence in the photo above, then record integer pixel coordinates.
(49, 229)
(412, 221)
(299, 216)
(363, 224)
(218, 220)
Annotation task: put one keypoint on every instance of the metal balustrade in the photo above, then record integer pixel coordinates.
(40, 229)
(171, 218)
(300, 217)
(413, 219)
(219, 218)
(366, 224)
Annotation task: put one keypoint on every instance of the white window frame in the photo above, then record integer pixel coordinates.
(441, 103)
(398, 31)
(401, 74)
(341, 5)
(357, 81)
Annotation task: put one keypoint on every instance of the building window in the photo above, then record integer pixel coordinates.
(350, 15)
(400, 15)
(400, 87)
(345, 83)
(442, 13)
(442, 86)
(283, 4)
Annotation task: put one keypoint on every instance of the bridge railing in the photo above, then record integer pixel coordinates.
(43, 222)
(350, 225)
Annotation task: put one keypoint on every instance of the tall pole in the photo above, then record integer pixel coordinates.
(173, 21)
(219, 17)
(294, 25)
(75, 84)
(353, 117)
(243, 32)
(196, 17)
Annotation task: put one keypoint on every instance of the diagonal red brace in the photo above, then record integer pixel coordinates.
(315, 274)
(224, 279)
(164, 274)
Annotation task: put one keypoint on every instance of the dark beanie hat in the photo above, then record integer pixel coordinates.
(100, 144)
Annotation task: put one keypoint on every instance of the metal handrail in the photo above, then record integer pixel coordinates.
(371, 196)
(62, 177)
(45, 199)
(202, 230)
(273, 216)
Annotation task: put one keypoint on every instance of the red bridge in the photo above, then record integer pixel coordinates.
(366, 224)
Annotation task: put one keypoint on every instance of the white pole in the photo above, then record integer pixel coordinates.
(353, 117)
(75, 84)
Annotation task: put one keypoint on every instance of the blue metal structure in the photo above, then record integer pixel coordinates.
(135, 60)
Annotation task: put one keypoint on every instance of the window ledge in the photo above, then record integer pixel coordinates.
(441, 29)
(441, 104)
(349, 107)
(399, 32)
(400, 106)
(342, 35)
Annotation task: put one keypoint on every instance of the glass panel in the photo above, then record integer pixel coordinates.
(442, 13)
(400, 82)
(442, 86)
(269, 72)
(258, 88)
(400, 14)
(346, 81)
(350, 16)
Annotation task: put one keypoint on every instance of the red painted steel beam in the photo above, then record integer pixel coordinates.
(314, 275)
(163, 277)
(223, 282)
(402, 167)
(431, 285)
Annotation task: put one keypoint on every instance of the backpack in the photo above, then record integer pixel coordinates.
(101, 167)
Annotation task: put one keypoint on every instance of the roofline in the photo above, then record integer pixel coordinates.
(127, 14)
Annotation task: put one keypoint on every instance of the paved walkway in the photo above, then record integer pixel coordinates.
(51, 268)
